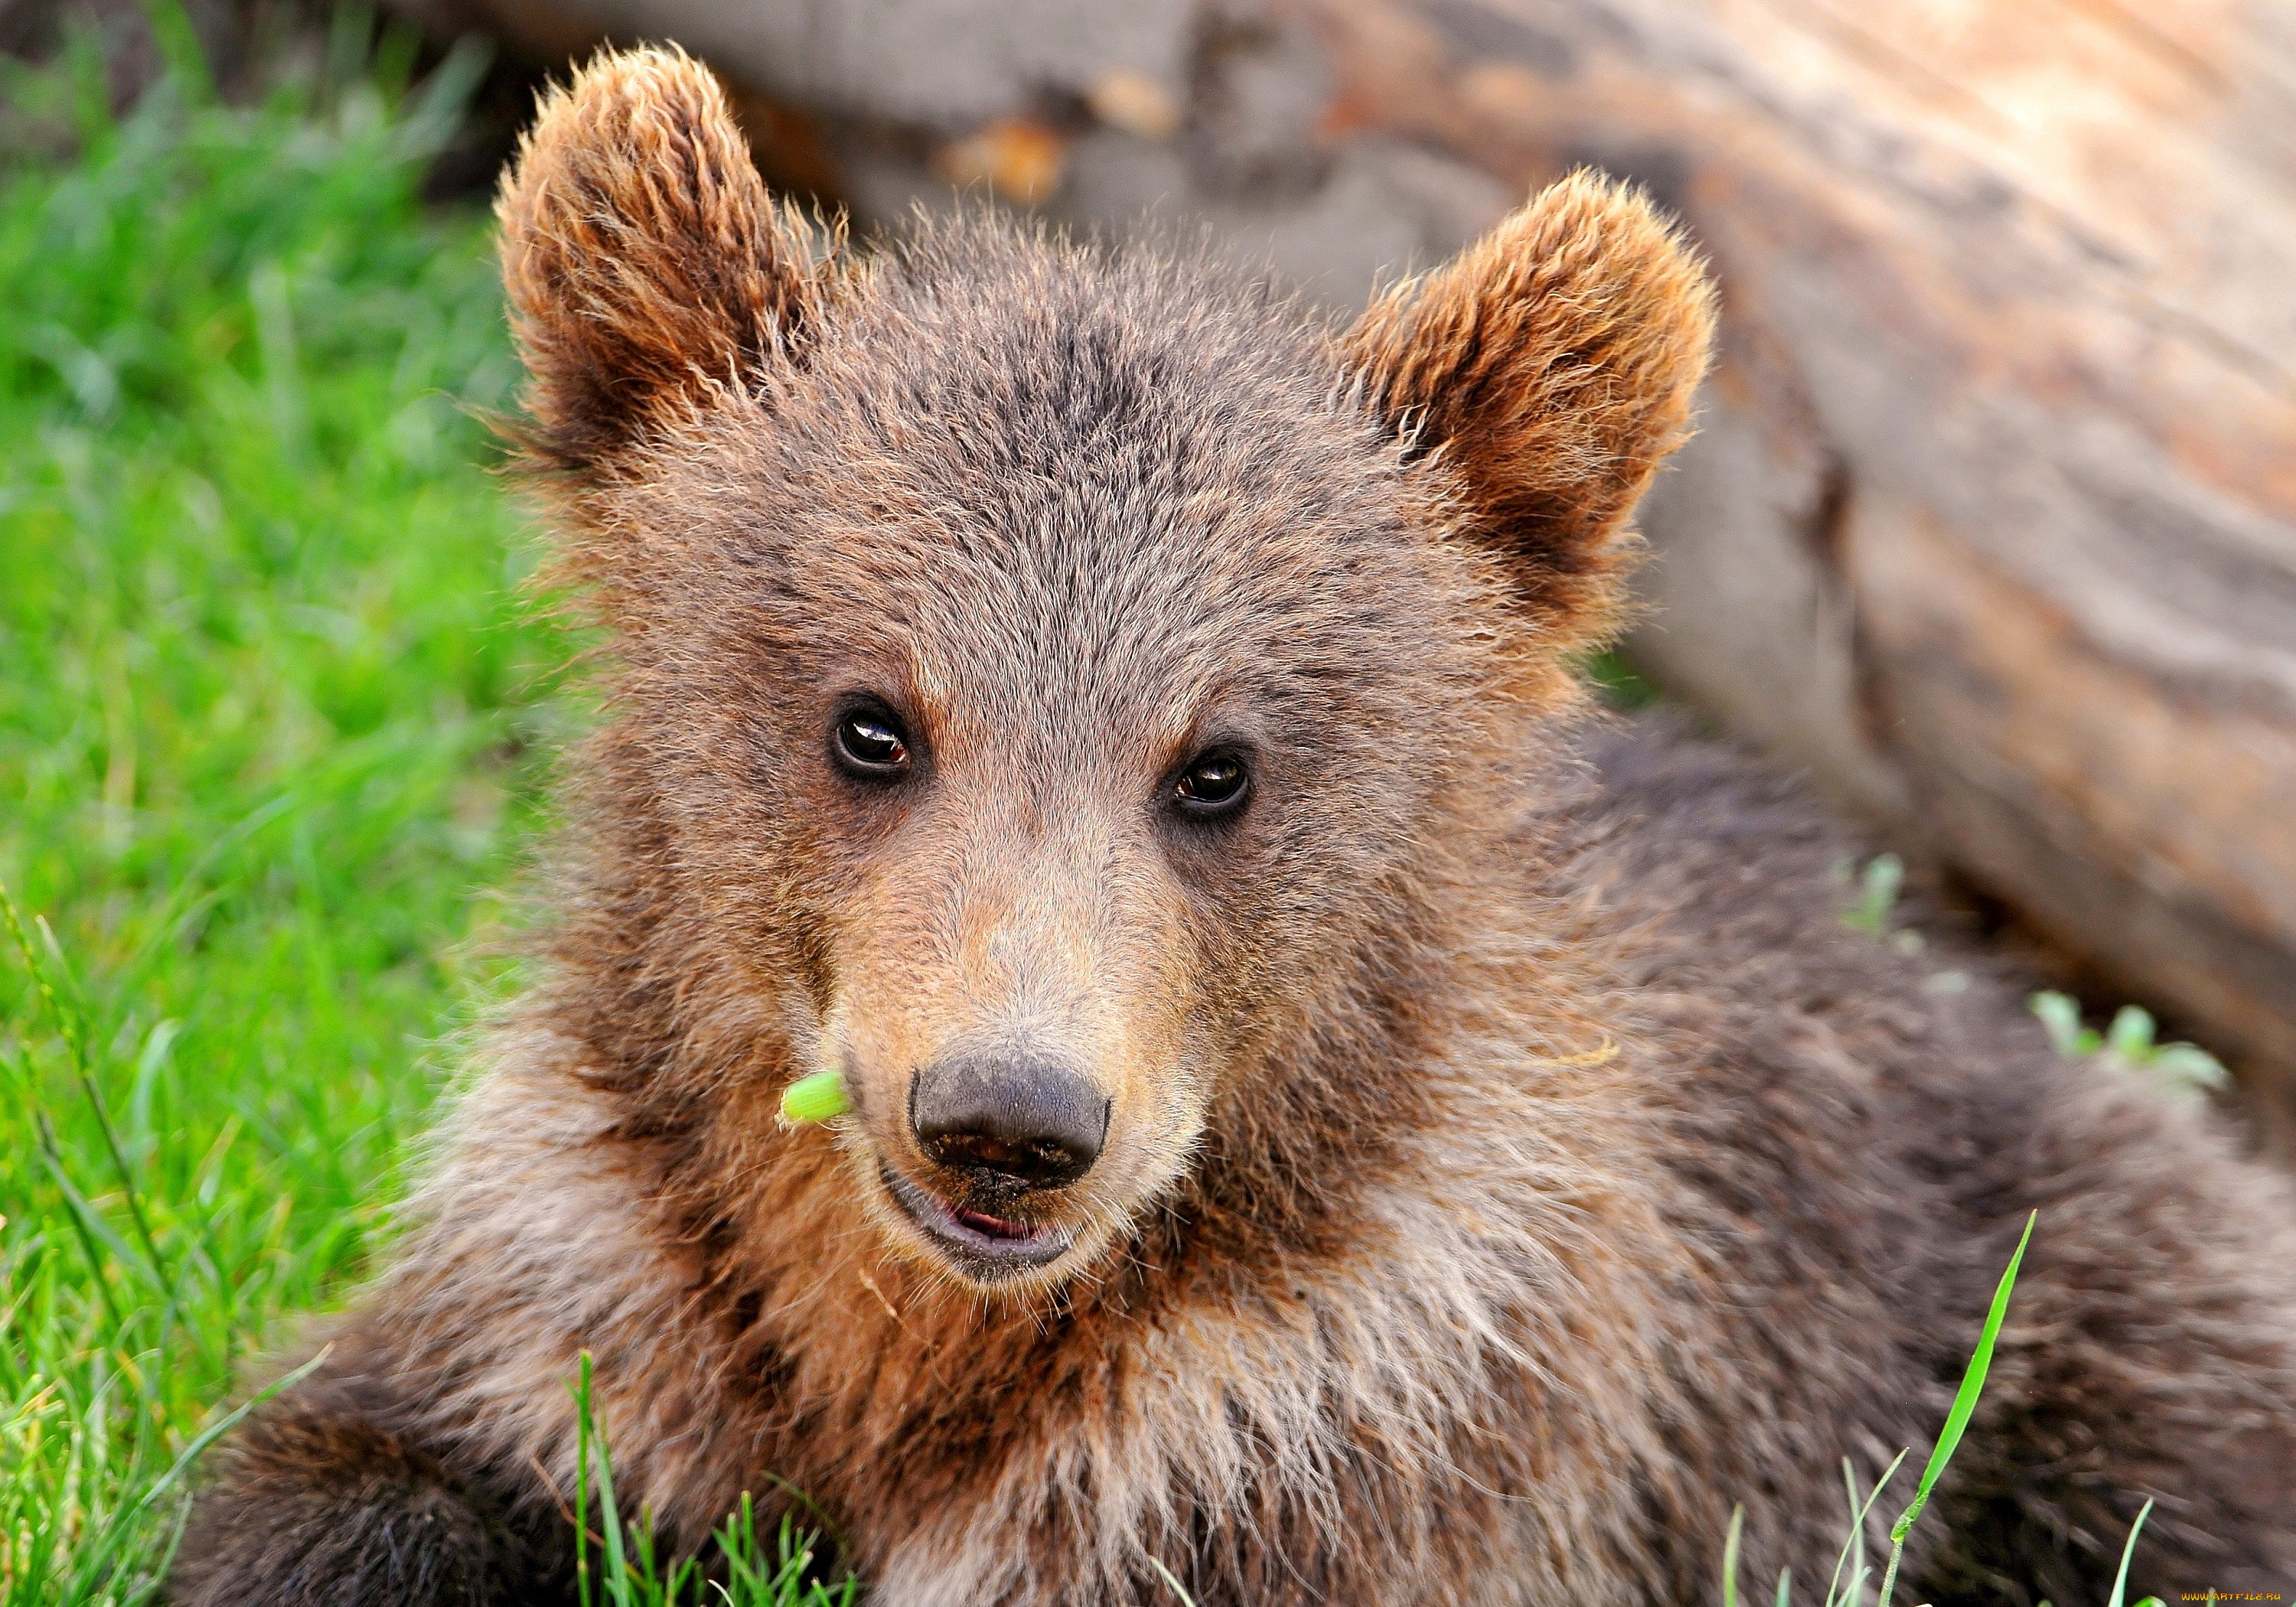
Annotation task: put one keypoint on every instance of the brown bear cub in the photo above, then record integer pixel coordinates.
(1327, 1117)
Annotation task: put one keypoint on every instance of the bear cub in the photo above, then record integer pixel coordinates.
(1327, 1115)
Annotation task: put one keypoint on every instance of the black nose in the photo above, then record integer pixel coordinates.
(1030, 1121)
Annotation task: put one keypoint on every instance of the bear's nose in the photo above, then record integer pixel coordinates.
(1034, 1123)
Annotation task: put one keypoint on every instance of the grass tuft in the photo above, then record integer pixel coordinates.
(2182, 1071)
(1850, 1572)
(629, 1570)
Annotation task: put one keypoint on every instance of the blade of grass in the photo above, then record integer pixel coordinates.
(826, 1523)
(71, 1026)
(582, 1430)
(179, 47)
(588, 1428)
(1730, 1556)
(1178, 1589)
(1956, 1421)
(1853, 1549)
(187, 901)
(2121, 1580)
(79, 1218)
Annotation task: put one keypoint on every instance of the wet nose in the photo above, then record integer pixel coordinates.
(1034, 1122)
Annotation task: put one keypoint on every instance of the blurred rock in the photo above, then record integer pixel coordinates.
(948, 65)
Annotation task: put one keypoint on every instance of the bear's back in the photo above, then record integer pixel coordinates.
(1863, 1114)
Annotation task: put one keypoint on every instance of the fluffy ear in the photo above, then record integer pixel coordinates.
(1550, 367)
(645, 261)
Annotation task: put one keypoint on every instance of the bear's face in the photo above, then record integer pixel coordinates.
(1051, 672)
(1076, 670)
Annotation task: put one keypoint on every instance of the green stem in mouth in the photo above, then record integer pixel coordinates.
(815, 1098)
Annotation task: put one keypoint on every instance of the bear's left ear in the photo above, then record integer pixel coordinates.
(1550, 367)
(646, 264)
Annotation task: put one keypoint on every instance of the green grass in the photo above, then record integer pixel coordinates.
(616, 1565)
(270, 704)
(266, 694)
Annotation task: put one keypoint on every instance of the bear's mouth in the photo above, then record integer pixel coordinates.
(987, 1247)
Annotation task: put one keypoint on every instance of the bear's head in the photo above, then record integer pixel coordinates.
(1050, 680)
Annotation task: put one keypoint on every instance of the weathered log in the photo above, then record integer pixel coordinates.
(1993, 520)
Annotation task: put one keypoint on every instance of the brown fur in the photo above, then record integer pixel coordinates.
(1512, 1161)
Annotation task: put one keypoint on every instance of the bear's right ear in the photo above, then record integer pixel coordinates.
(1550, 368)
(646, 264)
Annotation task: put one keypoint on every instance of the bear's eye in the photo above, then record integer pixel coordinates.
(1212, 784)
(870, 743)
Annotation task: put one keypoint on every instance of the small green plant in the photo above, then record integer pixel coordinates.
(2127, 1044)
(1879, 883)
(629, 1570)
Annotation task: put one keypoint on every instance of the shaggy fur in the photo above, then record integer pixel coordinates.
(1512, 1161)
